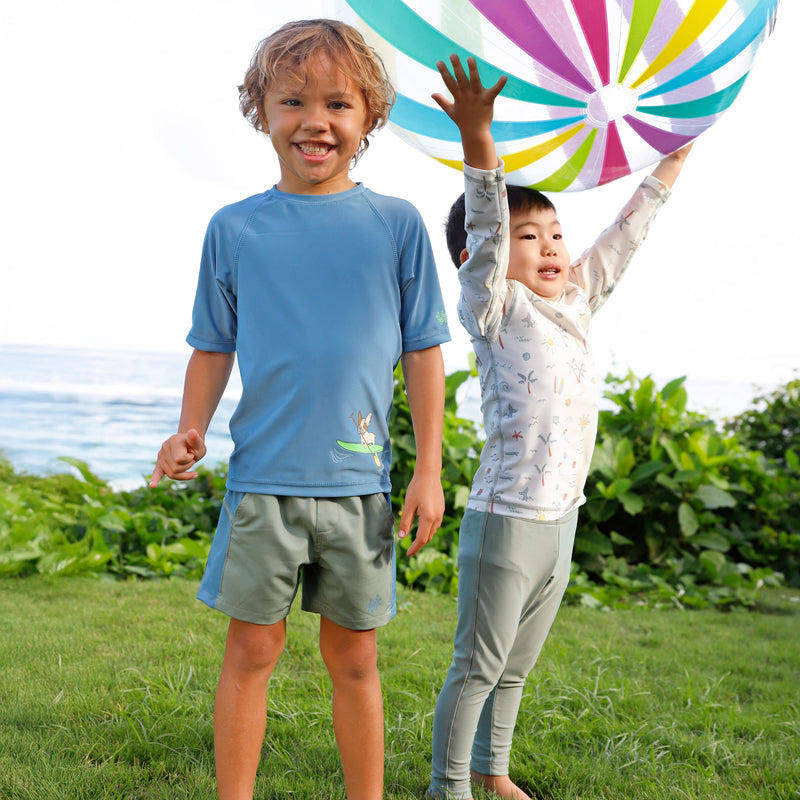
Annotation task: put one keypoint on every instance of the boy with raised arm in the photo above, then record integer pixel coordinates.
(527, 311)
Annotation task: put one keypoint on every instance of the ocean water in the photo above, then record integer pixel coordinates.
(113, 409)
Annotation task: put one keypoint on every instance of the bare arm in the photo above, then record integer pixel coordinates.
(206, 378)
(668, 169)
(424, 376)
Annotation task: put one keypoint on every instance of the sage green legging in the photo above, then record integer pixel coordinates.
(512, 576)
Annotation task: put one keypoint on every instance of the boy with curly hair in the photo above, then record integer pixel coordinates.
(319, 286)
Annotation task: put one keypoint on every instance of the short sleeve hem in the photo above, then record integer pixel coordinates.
(211, 347)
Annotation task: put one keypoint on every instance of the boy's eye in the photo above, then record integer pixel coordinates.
(292, 101)
(529, 236)
(557, 236)
(338, 105)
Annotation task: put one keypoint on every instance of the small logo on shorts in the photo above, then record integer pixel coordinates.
(374, 605)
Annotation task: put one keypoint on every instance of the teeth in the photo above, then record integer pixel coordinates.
(314, 149)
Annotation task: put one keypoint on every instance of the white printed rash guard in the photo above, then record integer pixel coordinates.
(319, 295)
(538, 389)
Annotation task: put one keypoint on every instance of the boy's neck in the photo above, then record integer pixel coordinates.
(345, 187)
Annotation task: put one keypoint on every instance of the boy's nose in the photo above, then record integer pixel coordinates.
(314, 119)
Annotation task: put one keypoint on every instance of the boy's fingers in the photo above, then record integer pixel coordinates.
(417, 545)
(178, 473)
(462, 80)
(442, 67)
(443, 103)
(474, 75)
(405, 523)
(196, 443)
(425, 532)
(426, 529)
(473, 80)
(447, 76)
(498, 87)
(157, 475)
(185, 476)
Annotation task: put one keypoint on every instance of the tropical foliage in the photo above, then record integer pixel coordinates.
(680, 510)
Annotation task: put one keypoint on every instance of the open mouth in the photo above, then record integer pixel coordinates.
(314, 149)
(550, 272)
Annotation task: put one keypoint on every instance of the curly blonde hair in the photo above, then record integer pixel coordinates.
(288, 49)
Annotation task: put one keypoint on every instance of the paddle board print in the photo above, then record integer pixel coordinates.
(367, 443)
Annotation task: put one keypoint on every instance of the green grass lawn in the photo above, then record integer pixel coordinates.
(106, 691)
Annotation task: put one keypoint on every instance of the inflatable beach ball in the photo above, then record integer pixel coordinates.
(596, 89)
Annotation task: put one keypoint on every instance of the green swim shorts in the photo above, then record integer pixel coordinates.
(340, 548)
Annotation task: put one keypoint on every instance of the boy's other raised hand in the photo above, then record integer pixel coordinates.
(472, 109)
(177, 456)
(668, 169)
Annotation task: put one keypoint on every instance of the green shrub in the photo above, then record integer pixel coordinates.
(434, 567)
(672, 511)
(768, 526)
(63, 524)
(771, 425)
(679, 510)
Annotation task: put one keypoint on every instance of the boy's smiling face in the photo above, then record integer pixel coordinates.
(316, 122)
(538, 256)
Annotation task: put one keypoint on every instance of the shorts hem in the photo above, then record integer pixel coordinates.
(362, 624)
(234, 612)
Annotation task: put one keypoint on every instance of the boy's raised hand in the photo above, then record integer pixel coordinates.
(177, 456)
(472, 110)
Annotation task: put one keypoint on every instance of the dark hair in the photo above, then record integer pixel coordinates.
(520, 198)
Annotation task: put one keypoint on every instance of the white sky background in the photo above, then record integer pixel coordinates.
(121, 136)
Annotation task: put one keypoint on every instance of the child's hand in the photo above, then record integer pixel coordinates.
(424, 500)
(471, 110)
(473, 104)
(670, 166)
(177, 456)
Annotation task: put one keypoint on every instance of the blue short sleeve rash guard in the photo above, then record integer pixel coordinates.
(319, 296)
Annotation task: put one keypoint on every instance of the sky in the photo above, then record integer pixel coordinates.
(122, 136)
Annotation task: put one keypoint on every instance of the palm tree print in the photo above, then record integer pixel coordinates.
(485, 191)
(527, 379)
(623, 220)
(543, 471)
(549, 441)
(578, 369)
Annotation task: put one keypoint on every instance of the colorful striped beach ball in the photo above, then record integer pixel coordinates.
(596, 89)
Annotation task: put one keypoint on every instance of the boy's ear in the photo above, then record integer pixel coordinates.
(369, 126)
(464, 255)
(262, 118)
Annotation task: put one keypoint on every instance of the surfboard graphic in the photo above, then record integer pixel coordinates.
(357, 447)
